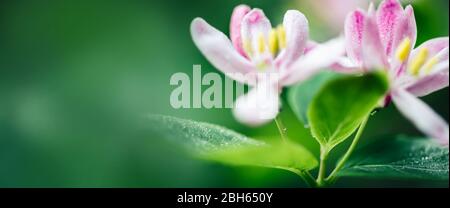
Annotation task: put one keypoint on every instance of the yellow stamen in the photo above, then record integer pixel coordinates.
(247, 47)
(261, 66)
(273, 45)
(403, 49)
(281, 33)
(418, 61)
(261, 43)
(429, 65)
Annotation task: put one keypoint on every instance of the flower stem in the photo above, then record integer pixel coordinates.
(281, 128)
(322, 168)
(332, 177)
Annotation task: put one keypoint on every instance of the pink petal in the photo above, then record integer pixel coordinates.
(372, 52)
(421, 115)
(405, 28)
(297, 32)
(430, 83)
(322, 56)
(259, 106)
(253, 24)
(388, 15)
(217, 48)
(235, 27)
(354, 27)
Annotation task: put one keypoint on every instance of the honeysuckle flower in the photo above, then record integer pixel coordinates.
(257, 50)
(385, 39)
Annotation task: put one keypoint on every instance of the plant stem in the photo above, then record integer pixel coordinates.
(322, 168)
(307, 177)
(281, 128)
(332, 176)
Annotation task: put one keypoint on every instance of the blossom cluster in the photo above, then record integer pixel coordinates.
(374, 39)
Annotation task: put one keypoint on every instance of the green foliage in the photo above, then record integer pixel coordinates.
(287, 156)
(198, 137)
(341, 105)
(399, 157)
(75, 75)
(219, 144)
(300, 95)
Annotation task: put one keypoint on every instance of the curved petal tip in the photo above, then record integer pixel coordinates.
(235, 26)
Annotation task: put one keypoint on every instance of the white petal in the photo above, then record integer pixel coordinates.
(437, 48)
(321, 56)
(259, 106)
(347, 66)
(421, 115)
(255, 23)
(217, 48)
(428, 84)
(297, 32)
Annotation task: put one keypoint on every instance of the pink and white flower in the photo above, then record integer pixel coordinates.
(257, 50)
(385, 38)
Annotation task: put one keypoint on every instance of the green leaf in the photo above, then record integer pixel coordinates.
(216, 143)
(299, 96)
(287, 156)
(399, 157)
(198, 137)
(341, 105)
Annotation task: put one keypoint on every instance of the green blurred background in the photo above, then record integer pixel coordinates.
(77, 75)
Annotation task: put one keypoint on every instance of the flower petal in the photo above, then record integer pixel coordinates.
(421, 115)
(434, 47)
(431, 83)
(235, 27)
(217, 48)
(388, 15)
(297, 32)
(346, 66)
(255, 23)
(310, 44)
(259, 106)
(373, 56)
(321, 56)
(405, 28)
(436, 62)
(354, 27)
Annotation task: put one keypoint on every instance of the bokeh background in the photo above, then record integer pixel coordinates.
(75, 76)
